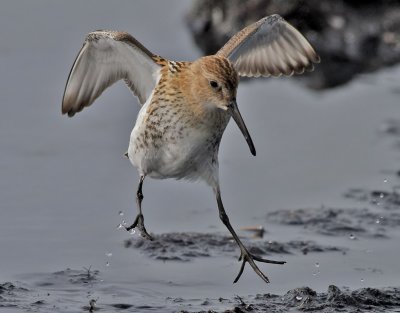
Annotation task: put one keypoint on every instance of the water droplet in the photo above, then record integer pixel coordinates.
(132, 231)
(316, 273)
(299, 298)
(123, 222)
(316, 264)
(385, 180)
(120, 226)
(107, 264)
(270, 242)
(377, 221)
(382, 195)
(352, 237)
(120, 213)
(362, 280)
(109, 254)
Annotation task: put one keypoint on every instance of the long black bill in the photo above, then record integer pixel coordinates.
(234, 111)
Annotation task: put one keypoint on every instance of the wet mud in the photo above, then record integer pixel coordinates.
(59, 214)
(68, 291)
(11, 295)
(71, 288)
(45, 292)
(384, 199)
(338, 221)
(334, 300)
(187, 246)
(375, 216)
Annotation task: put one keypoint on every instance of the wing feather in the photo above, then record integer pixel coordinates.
(270, 46)
(105, 58)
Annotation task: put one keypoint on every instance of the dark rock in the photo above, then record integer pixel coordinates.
(351, 36)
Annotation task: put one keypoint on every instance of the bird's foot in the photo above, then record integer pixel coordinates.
(246, 256)
(139, 224)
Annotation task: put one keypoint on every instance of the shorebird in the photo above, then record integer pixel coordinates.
(185, 106)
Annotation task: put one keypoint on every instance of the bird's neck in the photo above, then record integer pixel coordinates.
(177, 89)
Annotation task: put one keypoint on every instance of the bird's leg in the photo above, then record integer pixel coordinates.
(245, 255)
(139, 220)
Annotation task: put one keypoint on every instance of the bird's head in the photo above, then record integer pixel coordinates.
(216, 81)
(215, 87)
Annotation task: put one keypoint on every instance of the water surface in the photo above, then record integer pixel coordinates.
(64, 181)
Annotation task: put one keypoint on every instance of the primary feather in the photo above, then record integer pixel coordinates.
(270, 46)
(105, 58)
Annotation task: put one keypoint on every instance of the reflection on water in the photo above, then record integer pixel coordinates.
(65, 181)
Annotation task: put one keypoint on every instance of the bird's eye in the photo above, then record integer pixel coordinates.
(213, 84)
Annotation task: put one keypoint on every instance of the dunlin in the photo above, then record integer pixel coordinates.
(186, 106)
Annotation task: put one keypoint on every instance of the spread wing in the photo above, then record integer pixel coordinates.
(105, 58)
(270, 46)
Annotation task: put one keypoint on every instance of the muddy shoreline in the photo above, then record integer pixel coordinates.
(323, 184)
(83, 290)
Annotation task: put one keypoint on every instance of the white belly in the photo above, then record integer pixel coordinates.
(191, 155)
(179, 159)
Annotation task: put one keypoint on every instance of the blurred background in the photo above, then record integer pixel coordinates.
(65, 185)
(351, 36)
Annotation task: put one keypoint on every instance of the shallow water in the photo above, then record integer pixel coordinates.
(64, 181)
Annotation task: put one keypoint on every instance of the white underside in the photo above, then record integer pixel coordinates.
(184, 159)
